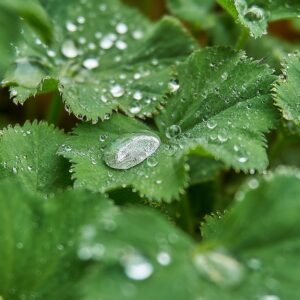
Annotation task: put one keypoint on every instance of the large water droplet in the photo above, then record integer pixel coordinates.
(69, 49)
(254, 13)
(90, 63)
(173, 131)
(117, 90)
(136, 266)
(219, 268)
(130, 150)
(138, 95)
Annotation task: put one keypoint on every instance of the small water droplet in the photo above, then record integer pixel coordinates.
(152, 162)
(173, 131)
(135, 109)
(71, 27)
(130, 150)
(174, 85)
(269, 297)
(137, 34)
(51, 53)
(106, 42)
(137, 95)
(69, 49)
(121, 45)
(211, 124)
(136, 266)
(117, 91)
(121, 28)
(163, 258)
(90, 63)
(81, 20)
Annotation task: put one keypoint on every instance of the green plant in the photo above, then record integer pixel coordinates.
(180, 179)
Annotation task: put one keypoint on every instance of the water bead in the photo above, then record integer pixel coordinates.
(130, 150)
(90, 63)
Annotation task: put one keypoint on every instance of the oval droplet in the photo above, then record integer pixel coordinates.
(69, 49)
(130, 150)
(219, 268)
(173, 131)
(136, 266)
(90, 63)
(117, 90)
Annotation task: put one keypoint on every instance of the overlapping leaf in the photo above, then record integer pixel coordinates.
(105, 56)
(39, 240)
(10, 13)
(255, 14)
(287, 94)
(266, 220)
(29, 153)
(196, 12)
(221, 109)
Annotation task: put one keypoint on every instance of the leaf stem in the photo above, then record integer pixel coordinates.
(54, 109)
(242, 39)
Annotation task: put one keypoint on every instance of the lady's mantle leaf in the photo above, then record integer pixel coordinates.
(255, 15)
(141, 259)
(221, 109)
(29, 152)
(40, 239)
(105, 56)
(266, 220)
(194, 11)
(287, 90)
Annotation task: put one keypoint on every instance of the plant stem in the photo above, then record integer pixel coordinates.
(242, 39)
(54, 109)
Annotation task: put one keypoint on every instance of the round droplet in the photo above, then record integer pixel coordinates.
(219, 268)
(136, 267)
(121, 28)
(81, 20)
(106, 43)
(138, 95)
(117, 91)
(173, 131)
(90, 63)
(69, 49)
(174, 85)
(152, 162)
(137, 34)
(135, 109)
(130, 150)
(254, 13)
(211, 124)
(163, 258)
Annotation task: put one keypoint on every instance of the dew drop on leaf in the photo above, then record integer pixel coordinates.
(254, 13)
(117, 91)
(163, 258)
(173, 131)
(121, 45)
(136, 266)
(71, 27)
(130, 150)
(152, 162)
(174, 85)
(138, 95)
(219, 268)
(69, 49)
(106, 42)
(121, 28)
(90, 63)
(269, 297)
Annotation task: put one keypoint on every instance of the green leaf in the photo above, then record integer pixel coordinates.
(142, 259)
(40, 239)
(255, 15)
(222, 107)
(196, 12)
(10, 13)
(33, 13)
(286, 90)
(104, 57)
(266, 221)
(212, 115)
(29, 153)
(161, 177)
